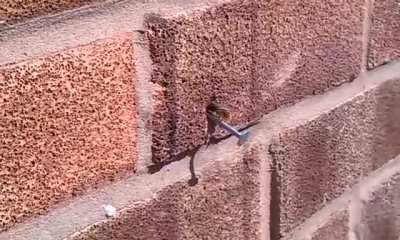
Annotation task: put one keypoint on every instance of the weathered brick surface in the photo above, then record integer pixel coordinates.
(331, 222)
(317, 160)
(381, 213)
(67, 122)
(225, 204)
(384, 39)
(251, 56)
(12, 11)
(335, 228)
(305, 47)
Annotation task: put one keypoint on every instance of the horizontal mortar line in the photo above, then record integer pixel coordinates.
(318, 219)
(47, 35)
(63, 13)
(312, 107)
(362, 84)
(370, 183)
(84, 211)
(155, 167)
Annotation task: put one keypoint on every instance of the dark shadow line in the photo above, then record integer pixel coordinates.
(192, 152)
(194, 179)
(275, 212)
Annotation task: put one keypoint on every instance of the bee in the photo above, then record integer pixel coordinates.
(219, 111)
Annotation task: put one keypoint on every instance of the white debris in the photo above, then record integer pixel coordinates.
(110, 210)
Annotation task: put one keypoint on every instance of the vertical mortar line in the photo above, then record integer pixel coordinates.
(265, 194)
(362, 193)
(143, 67)
(275, 197)
(369, 4)
(355, 213)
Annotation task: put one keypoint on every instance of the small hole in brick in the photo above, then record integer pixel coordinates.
(211, 125)
(218, 110)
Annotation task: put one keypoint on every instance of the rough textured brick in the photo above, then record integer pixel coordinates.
(336, 228)
(251, 56)
(225, 204)
(67, 122)
(305, 47)
(331, 222)
(317, 160)
(16, 10)
(384, 44)
(381, 213)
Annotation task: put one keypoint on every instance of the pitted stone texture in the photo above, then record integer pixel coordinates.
(384, 44)
(251, 56)
(381, 213)
(67, 122)
(305, 47)
(336, 228)
(315, 162)
(12, 11)
(225, 204)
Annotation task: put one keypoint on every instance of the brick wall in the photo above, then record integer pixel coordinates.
(106, 104)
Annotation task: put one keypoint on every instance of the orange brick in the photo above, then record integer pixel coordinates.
(67, 122)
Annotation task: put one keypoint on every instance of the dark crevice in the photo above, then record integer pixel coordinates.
(158, 166)
(192, 152)
(193, 180)
(275, 231)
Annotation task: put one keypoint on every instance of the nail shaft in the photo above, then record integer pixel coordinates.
(243, 136)
(230, 129)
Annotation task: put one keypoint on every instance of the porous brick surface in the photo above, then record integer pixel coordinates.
(12, 11)
(384, 39)
(381, 213)
(303, 48)
(67, 122)
(316, 161)
(335, 228)
(251, 56)
(225, 204)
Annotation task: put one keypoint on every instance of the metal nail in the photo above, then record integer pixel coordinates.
(242, 136)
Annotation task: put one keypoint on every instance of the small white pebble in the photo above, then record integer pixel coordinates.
(110, 210)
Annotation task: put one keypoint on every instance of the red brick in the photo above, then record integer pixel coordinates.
(327, 224)
(12, 11)
(318, 160)
(384, 43)
(381, 212)
(67, 122)
(305, 47)
(225, 204)
(332, 222)
(335, 228)
(252, 56)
